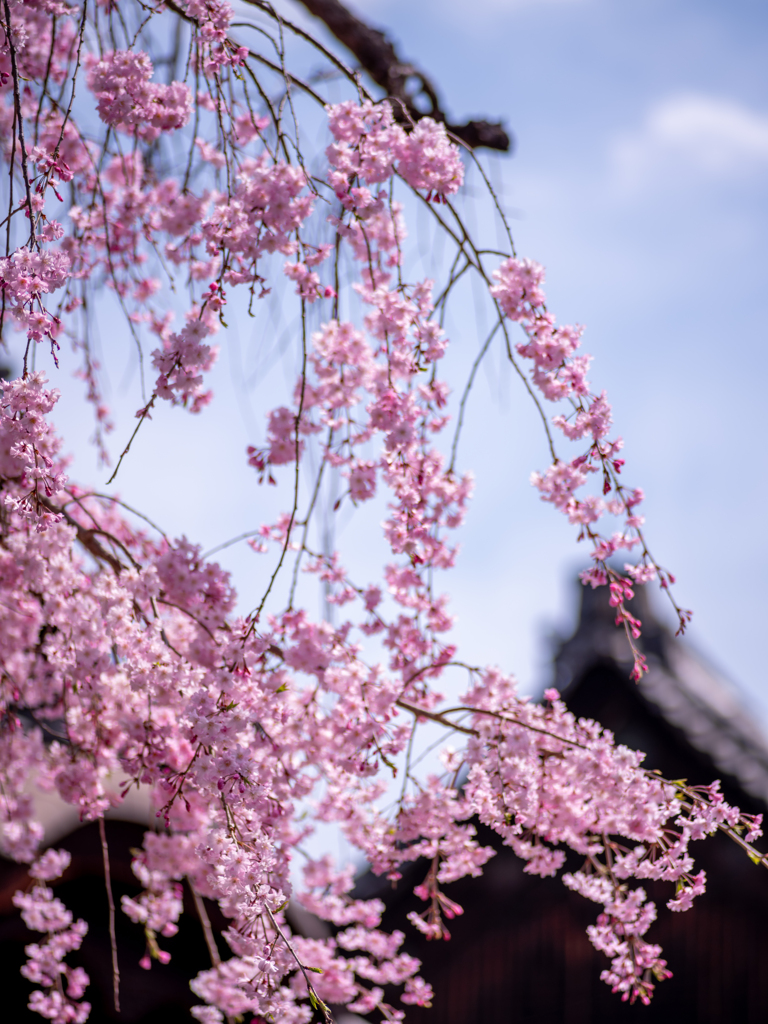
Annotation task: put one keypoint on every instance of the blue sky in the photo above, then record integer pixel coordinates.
(639, 180)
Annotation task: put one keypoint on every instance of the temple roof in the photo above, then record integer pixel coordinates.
(681, 686)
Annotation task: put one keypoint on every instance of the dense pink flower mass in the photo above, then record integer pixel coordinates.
(249, 733)
(129, 101)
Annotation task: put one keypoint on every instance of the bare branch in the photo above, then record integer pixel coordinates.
(380, 60)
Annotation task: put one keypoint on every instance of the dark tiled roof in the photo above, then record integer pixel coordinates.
(681, 686)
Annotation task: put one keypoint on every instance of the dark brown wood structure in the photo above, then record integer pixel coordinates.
(519, 954)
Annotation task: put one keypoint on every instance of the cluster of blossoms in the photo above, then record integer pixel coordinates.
(130, 643)
(26, 277)
(545, 814)
(559, 373)
(29, 451)
(370, 146)
(129, 101)
(59, 999)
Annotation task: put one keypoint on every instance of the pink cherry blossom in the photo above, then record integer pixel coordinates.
(182, 190)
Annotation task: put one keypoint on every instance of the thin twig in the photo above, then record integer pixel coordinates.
(111, 902)
(314, 997)
(475, 367)
(205, 921)
(379, 58)
(19, 118)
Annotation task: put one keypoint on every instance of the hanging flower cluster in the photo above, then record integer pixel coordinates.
(559, 373)
(59, 997)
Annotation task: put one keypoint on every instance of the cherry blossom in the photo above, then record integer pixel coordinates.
(250, 733)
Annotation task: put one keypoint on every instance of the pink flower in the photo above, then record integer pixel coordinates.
(129, 101)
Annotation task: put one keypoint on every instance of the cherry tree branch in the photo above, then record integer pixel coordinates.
(380, 60)
(111, 904)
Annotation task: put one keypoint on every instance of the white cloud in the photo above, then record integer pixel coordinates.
(689, 137)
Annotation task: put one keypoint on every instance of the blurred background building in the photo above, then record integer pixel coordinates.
(520, 952)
